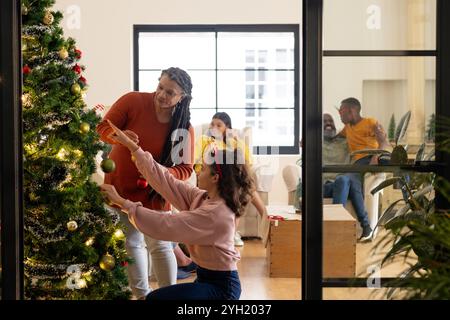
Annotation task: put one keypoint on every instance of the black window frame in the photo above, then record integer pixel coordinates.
(266, 28)
(312, 204)
(11, 172)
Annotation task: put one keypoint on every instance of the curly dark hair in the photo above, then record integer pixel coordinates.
(235, 182)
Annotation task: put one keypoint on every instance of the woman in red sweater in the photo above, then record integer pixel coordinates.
(156, 118)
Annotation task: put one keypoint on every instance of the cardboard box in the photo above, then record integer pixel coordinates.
(339, 254)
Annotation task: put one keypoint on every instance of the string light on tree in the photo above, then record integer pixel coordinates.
(81, 283)
(72, 226)
(77, 153)
(89, 242)
(119, 235)
(62, 154)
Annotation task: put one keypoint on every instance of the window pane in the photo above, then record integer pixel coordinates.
(250, 56)
(379, 25)
(240, 50)
(249, 75)
(343, 256)
(270, 128)
(386, 87)
(201, 116)
(186, 50)
(203, 86)
(234, 92)
(250, 91)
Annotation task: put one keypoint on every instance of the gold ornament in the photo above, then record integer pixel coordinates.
(84, 127)
(24, 10)
(33, 196)
(63, 53)
(48, 18)
(107, 262)
(75, 89)
(29, 43)
(72, 226)
(26, 100)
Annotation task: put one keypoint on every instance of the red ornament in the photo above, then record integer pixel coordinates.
(77, 68)
(26, 69)
(124, 263)
(83, 80)
(78, 54)
(142, 183)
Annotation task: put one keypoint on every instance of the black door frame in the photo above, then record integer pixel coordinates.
(312, 279)
(11, 151)
(11, 205)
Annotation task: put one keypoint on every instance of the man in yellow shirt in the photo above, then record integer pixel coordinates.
(361, 133)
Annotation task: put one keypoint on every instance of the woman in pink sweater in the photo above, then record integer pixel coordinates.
(205, 223)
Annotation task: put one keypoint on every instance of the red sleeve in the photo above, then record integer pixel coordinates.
(117, 115)
(184, 170)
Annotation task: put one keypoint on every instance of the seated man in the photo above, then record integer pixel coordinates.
(341, 187)
(361, 133)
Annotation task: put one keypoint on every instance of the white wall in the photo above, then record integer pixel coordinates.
(104, 35)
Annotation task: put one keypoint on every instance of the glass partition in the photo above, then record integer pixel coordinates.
(379, 106)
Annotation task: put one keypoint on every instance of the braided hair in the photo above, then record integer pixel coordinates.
(180, 118)
(182, 115)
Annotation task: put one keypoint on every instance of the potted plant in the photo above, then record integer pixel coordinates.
(417, 229)
(398, 154)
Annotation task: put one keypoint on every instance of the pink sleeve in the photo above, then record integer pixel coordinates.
(193, 227)
(178, 193)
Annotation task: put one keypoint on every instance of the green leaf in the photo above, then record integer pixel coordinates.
(388, 214)
(420, 152)
(402, 127)
(386, 183)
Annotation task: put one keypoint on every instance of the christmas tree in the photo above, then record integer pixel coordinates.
(73, 246)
